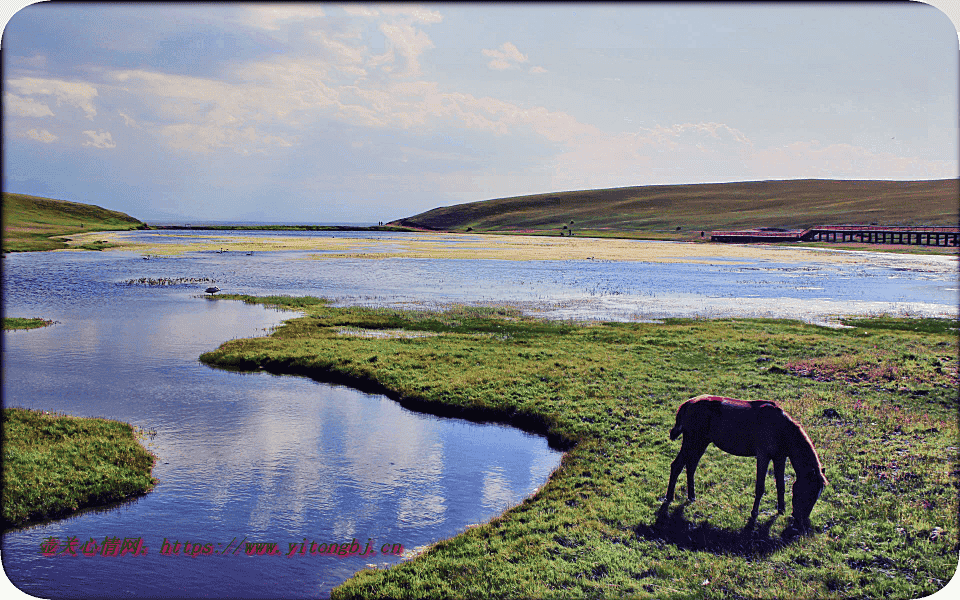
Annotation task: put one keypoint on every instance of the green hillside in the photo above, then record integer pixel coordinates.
(649, 210)
(31, 223)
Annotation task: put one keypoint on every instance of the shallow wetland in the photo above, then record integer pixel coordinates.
(274, 458)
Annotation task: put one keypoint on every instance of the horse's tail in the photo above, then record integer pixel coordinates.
(678, 426)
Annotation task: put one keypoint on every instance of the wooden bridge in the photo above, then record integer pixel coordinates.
(868, 234)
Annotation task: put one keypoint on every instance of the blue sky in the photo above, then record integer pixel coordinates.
(370, 112)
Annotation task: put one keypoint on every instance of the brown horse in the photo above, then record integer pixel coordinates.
(749, 428)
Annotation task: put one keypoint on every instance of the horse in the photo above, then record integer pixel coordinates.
(749, 428)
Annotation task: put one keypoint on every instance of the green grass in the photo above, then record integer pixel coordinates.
(54, 465)
(21, 323)
(656, 211)
(878, 399)
(31, 223)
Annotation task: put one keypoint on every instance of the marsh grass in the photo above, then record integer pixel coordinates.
(54, 464)
(886, 525)
(10, 323)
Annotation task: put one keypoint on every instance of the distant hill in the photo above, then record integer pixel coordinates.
(661, 209)
(29, 222)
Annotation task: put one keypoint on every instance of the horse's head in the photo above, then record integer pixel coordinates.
(806, 492)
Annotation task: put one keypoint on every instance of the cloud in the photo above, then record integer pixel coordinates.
(359, 10)
(411, 12)
(537, 70)
(25, 107)
(77, 94)
(409, 42)
(99, 139)
(272, 16)
(127, 120)
(506, 57)
(41, 135)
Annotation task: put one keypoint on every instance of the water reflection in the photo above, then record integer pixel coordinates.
(241, 456)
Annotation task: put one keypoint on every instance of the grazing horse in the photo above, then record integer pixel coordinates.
(749, 428)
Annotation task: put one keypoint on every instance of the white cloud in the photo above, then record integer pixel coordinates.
(77, 94)
(409, 42)
(99, 139)
(412, 12)
(127, 120)
(41, 135)
(25, 107)
(272, 16)
(359, 10)
(537, 70)
(506, 57)
(200, 114)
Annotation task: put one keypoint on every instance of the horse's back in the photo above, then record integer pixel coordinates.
(733, 425)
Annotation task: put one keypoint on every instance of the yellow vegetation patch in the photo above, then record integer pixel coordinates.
(491, 247)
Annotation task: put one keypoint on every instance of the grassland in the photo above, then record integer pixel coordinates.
(31, 223)
(681, 212)
(878, 399)
(54, 465)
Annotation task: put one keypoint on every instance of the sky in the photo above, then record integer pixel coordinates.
(360, 113)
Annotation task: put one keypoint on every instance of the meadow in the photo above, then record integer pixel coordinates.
(878, 398)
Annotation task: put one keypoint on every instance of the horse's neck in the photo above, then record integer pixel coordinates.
(803, 457)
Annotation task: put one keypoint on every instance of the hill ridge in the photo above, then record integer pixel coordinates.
(792, 203)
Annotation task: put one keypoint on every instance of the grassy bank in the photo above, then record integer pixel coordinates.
(31, 223)
(878, 399)
(10, 323)
(681, 212)
(54, 465)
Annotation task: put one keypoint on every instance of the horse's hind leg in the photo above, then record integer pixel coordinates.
(779, 462)
(675, 467)
(689, 455)
(763, 463)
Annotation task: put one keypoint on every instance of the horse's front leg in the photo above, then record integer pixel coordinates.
(779, 462)
(763, 463)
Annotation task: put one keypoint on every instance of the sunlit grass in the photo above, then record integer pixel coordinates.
(54, 464)
(31, 223)
(885, 526)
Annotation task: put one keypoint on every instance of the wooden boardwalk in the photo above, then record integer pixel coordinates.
(868, 234)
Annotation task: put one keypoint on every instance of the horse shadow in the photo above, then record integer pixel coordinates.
(753, 540)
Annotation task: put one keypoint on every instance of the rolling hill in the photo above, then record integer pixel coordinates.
(30, 223)
(658, 210)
